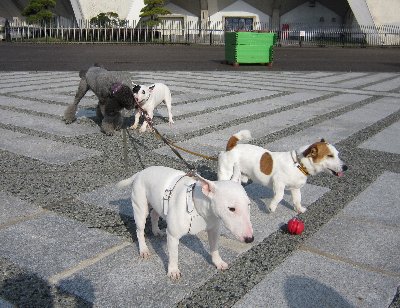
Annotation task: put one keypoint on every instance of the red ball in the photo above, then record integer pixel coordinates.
(295, 226)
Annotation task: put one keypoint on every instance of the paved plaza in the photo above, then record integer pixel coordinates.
(67, 236)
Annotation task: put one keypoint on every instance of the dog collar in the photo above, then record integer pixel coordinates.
(298, 164)
(116, 87)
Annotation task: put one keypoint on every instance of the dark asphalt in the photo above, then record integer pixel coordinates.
(73, 57)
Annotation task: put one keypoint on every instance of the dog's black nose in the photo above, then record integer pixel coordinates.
(344, 168)
(249, 239)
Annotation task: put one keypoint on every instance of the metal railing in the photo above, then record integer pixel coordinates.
(212, 33)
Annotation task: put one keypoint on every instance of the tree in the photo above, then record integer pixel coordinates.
(152, 10)
(39, 10)
(109, 19)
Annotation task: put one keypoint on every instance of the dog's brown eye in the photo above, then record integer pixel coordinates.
(331, 156)
(232, 209)
(143, 92)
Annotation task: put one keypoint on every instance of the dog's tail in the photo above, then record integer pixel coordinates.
(126, 182)
(242, 135)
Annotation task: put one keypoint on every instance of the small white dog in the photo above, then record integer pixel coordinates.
(149, 98)
(189, 206)
(284, 169)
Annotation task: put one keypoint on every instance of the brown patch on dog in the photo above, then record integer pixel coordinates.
(266, 163)
(317, 151)
(232, 142)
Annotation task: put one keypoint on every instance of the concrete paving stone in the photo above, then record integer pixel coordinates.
(32, 105)
(48, 108)
(123, 279)
(309, 280)
(367, 231)
(110, 197)
(227, 115)
(336, 78)
(339, 128)
(12, 208)
(379, 202)
(52, 109)
(205, 84)
(220, 102)
(365, 80)
(64, 95)
(46, 125)
(385, 141)
(317, 75)
(50, 244)
(43, 149)
(387, 85)
(53, 85)
(212, 143)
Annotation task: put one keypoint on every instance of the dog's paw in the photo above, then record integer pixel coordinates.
(144, 254)
(174, 274)
(272, 208)
(109, 133)
(142, 130)
(134, 126)
(301, 209)
(222, 265)
(69, 121)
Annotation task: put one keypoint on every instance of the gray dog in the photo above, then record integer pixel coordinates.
(113, 91)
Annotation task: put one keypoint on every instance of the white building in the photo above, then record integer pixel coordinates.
(235, 13)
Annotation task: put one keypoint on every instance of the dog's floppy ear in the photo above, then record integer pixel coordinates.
(207, 187)
(311, 151)
(236, 177)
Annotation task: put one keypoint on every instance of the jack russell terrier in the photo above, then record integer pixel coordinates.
(284, 169)
(188, 205)
(149, 98)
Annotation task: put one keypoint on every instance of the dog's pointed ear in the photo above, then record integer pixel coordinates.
(151, 88)
(207, 187)
(236, 177)
(135, 88)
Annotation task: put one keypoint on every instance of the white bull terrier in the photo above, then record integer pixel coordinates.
(188, 205)
(284, 169)
(149, 98)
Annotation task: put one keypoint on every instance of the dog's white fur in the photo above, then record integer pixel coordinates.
(149, 97)
(278, 168)
(213, 201)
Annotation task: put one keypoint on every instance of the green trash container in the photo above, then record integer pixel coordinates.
(249, 47)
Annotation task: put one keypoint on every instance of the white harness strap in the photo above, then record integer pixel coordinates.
(168, 193)
(189, 198)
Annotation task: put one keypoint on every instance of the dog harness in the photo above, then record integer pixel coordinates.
(189, 201)
(189, 196)
(298, 164)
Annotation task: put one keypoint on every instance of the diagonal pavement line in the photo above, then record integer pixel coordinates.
(55, 279)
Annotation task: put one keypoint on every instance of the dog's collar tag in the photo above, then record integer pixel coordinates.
(189, 198)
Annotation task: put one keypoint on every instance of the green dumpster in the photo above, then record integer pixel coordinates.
(249, 47)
